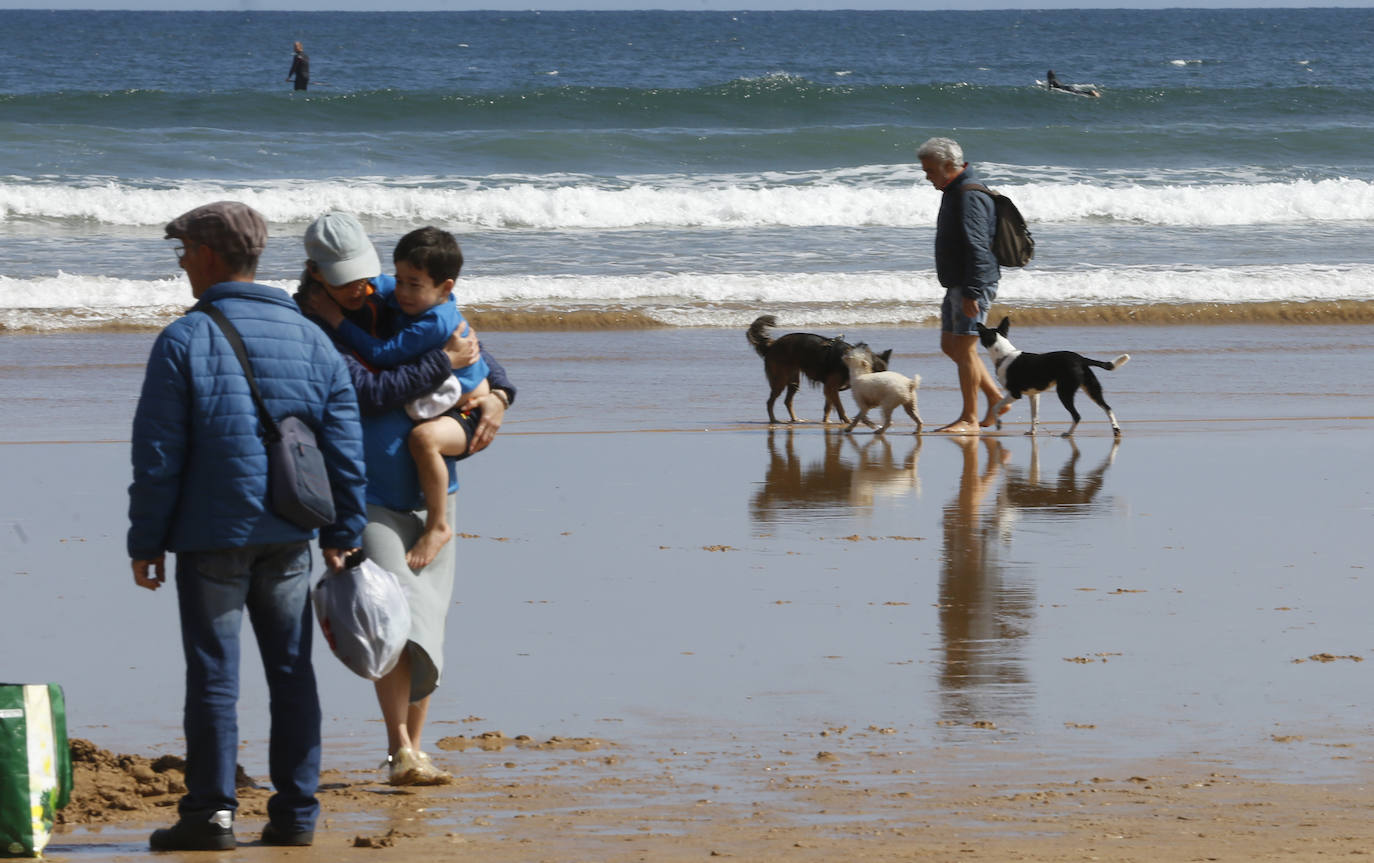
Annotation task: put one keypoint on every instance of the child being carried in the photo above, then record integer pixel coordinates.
(423, 316)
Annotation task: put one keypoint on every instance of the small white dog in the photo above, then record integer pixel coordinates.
(884, 390)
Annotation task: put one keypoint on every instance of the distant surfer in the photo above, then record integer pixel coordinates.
(300, 68)
(1052, 82)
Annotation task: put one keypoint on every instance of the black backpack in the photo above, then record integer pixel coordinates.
(1012, 245)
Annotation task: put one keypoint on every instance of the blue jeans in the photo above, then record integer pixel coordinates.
(213, 588)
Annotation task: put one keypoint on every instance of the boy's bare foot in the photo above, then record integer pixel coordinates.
(960, 427)
(427, 547)
(994, 415)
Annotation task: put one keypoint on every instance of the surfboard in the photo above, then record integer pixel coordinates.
(1086, 90)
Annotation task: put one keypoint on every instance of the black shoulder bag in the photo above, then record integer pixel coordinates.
(297, 482)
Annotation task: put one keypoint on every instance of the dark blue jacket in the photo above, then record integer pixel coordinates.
(963, 239)
(200, 466)
(382, 394)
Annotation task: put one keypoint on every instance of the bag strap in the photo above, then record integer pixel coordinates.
(977, 187)
(272, 433)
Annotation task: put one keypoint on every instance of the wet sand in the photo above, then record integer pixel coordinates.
(792, 643)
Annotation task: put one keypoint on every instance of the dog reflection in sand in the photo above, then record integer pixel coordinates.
(1069, 492)
(885, 390)
(832, 474)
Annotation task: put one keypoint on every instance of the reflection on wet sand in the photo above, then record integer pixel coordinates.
(1069, 494)
(847, 474)
(986, 599)
(986, 604)
(981, 614)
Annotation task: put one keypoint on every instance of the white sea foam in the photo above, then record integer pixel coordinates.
(732, 299)
(858, 197)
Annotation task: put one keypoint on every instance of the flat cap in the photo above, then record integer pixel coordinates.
(228, 227)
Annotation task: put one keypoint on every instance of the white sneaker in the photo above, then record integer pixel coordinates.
(402, 767)
(412, 767)
(431, 774)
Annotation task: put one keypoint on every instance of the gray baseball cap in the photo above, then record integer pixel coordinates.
(339, 246)
(228, 227)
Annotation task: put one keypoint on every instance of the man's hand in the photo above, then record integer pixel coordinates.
(462, 347)
(493, 411)
(151, 580)
(334, 557)
(322, 306)
(970, 308)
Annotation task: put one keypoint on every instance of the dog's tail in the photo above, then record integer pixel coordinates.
(758, 334)
(1113, 365)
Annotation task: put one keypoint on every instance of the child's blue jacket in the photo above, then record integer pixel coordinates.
(409, 336)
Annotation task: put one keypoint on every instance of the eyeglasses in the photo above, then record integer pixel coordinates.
(183, 252)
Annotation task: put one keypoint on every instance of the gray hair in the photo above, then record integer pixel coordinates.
(945, 150)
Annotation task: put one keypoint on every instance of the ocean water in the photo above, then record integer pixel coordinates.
(698, 169)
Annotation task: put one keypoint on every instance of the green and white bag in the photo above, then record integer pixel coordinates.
(35, 766)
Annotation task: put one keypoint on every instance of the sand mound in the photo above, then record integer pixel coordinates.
(107, 786)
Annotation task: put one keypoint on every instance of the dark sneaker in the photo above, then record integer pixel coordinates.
(272, 835)
(216, 834)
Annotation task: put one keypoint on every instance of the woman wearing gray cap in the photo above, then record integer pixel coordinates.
(341, 279)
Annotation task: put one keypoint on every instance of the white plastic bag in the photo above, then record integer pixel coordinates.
(437, 401)
(364, 616)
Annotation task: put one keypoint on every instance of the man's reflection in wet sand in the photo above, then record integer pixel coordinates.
(986, 601)
(982, 613)
(847, 474)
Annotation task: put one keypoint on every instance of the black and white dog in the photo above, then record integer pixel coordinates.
(1032, 374)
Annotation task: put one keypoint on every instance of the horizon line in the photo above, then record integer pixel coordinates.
(439, 6)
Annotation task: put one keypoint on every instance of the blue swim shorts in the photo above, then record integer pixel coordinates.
(952, 317)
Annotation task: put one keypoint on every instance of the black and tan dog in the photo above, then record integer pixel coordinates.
(821, 359)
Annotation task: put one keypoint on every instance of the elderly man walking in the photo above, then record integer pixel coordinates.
(968, 270)
(200, 491)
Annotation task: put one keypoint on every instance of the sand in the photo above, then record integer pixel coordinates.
(681, 633)
(854, 800)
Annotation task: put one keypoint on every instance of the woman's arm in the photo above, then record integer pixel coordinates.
(493, 404)
(379, 391)
(384, 390)
(497, 377)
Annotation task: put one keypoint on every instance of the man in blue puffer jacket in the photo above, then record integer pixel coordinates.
(200, 491)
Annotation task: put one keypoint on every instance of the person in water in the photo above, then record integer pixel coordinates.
(300, 68)
(1052, 82)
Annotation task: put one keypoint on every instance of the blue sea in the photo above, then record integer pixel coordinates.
(695, 169)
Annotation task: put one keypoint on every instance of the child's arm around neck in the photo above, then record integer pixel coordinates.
(415, 336)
